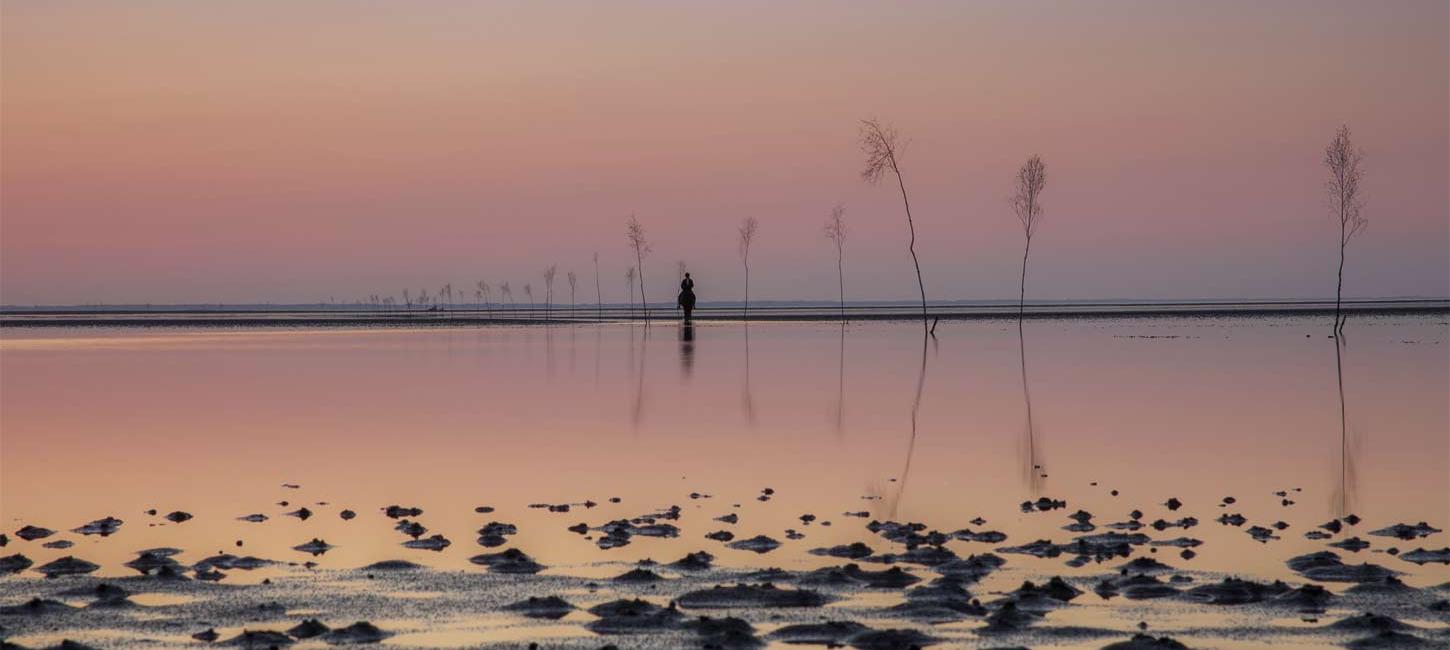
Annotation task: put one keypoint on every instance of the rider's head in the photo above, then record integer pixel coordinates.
(687, 274)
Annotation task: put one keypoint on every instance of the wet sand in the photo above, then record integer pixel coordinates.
(1116, 584)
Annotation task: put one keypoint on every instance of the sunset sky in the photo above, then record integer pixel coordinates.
(295, 151)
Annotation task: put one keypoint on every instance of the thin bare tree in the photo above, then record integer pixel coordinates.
(635, 233)
(1027, 204)
(748, 229)
(1345, 203)
(629, 282)
(529, 291)
(407, 300)
(598, 292)
(836, 232)
(508, 292)
(549, 274)
(880, 144)
(573, 284)
(487, 292)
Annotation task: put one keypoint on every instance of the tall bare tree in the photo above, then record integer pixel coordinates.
(573, 284)
(598, 292)
(549, 274)
(748, 229)
(836, 232)
(881, 146)
(635, 233)
(407, 300)
(529, 291)
(1027, 203)
(508, 292)
(1346, 203)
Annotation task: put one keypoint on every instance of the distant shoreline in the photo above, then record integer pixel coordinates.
(473, 316)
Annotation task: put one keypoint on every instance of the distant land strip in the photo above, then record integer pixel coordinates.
(472, 315)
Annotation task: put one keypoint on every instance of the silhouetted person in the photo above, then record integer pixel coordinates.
(687, 295)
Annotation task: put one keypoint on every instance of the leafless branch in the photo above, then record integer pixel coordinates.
(1346, 203)
(836, 232)
(879, 143)
(1027, 203)
(748, 229)
(635, 232)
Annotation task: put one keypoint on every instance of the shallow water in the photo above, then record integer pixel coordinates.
(863, 417)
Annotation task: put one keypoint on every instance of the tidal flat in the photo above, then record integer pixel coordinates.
(1164, 482)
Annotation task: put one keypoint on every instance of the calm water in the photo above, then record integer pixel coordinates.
(861, 417)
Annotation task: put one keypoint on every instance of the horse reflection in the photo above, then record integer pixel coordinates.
(687, 348)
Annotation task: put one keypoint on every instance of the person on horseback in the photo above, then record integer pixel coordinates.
(687, 295)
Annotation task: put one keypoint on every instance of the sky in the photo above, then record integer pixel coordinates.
(167, 152)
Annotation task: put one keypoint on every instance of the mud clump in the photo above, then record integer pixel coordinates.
(1406, 531)
(757, 544)
(15, 563)
(697, 561)
(829, 633)
(1147, 642)
(509, 561)
(393, 565)
(105, 527)
(751, 596)
(1232, 591)
(359, 632)
(32, 533)
(628, 616)
(547, 607)
(308, 628)
(67, 566)
(853, 551)
(638, 575)
(721, 633)
(1423, 556)
(37, 607)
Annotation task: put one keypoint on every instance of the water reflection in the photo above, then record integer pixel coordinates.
(1034, 474)
(549, 350)
(687, 348)
(1343, 499)
(747, 398)
(840, 417)
(911, 439)
(637, 413)
(598, 347)
(1145, 400)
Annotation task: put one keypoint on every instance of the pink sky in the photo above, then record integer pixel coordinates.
(245, 152)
